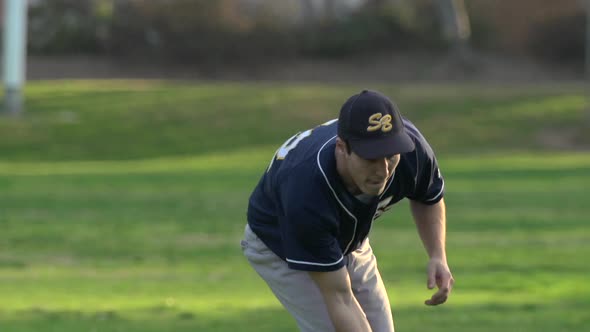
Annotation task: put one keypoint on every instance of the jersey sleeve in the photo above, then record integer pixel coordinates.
(309, 227)
(429, 185)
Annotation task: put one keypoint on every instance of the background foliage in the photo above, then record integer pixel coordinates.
(203, 31)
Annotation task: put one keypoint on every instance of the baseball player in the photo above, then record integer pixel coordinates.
(310, 215)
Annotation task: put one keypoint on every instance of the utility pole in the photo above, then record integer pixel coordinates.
(14, 46)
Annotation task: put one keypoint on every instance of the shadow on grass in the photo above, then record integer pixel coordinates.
(147, 320)
(562, 316)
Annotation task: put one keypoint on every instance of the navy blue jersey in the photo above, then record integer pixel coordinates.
(302, 211)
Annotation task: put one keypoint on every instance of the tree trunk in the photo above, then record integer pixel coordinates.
(456, 25)
(308, 14)
(329, 9)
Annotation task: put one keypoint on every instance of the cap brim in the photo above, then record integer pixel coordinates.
(382, 147)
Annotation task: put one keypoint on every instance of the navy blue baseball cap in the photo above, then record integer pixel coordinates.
(372, 126)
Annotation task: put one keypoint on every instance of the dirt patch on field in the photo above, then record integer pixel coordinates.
(566, 138)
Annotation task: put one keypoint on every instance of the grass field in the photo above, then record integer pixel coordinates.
(122, 204)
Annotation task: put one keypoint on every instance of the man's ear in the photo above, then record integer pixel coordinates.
(340, 145)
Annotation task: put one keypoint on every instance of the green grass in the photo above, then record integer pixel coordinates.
(127, 216)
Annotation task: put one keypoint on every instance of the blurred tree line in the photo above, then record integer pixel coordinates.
(194, 31)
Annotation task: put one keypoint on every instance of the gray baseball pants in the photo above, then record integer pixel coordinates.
(299, 294)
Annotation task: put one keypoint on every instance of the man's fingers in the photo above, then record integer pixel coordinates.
(431, 282)
(433, 302)
(438, 297)
(439, 276)
(443, 292)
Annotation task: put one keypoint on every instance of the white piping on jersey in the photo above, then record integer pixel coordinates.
(440, 193)
(312, 263)
(274, 156)
(336, 196)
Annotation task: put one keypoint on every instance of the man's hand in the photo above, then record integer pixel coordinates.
(440, 275)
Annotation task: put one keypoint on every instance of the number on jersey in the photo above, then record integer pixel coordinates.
(292, 142)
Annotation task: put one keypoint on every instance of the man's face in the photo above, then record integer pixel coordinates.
(368, 176)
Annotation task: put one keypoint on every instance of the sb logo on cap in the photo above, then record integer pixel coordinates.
(378, 121)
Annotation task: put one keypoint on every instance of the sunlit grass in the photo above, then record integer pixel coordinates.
(99, 261)
(86, 264)
(123, 204)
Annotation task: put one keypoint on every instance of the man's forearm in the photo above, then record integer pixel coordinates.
(347, 315)
(345, 312)
(431, 223)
